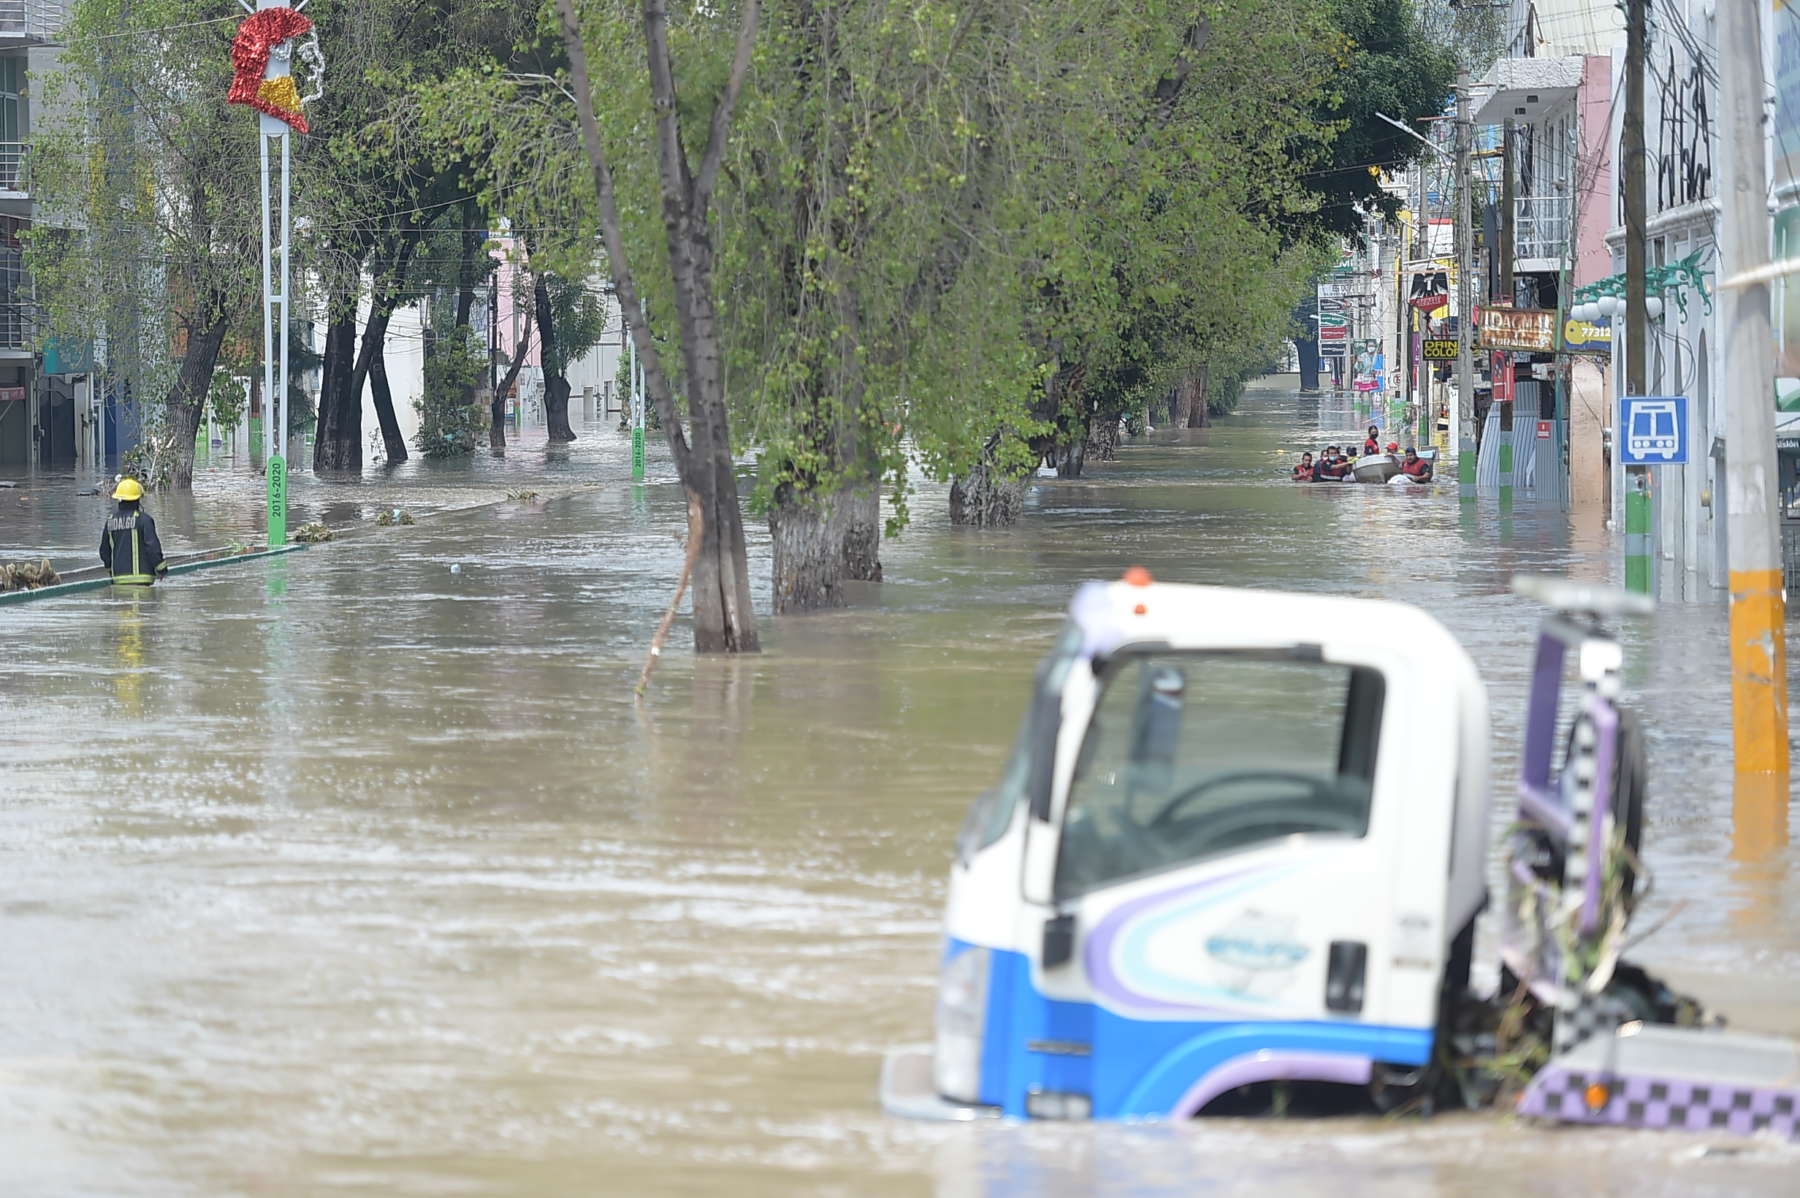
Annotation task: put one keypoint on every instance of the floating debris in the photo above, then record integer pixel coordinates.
(523, 496)
(456, 569)
(394, 516)
(28, 576)
(312, 533)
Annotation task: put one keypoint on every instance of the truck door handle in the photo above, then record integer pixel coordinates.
(1059, 941)
(1344, 972)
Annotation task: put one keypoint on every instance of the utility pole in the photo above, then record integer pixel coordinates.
(1637, 323)
(1758, 607)
(1465, 372)
(1508, 215)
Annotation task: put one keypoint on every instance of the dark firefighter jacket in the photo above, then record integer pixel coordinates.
(129, 549)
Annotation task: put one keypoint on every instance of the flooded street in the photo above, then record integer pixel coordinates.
(344, 873)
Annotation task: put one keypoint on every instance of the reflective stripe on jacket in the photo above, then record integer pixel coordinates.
(130, 549)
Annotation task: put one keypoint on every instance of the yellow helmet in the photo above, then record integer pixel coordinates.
(129, 489)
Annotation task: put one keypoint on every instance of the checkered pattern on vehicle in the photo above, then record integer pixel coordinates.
(1650, 1102)
(1592, 1014)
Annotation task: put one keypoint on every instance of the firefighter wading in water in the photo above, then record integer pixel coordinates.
(128, 546)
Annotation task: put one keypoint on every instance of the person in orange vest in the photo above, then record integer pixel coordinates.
(1415, 467)
(1304, 471)
(1335, 468)
(129, 548)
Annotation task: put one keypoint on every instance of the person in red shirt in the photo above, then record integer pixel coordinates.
(1372, 442)
(1303, 473)
(1415, 467)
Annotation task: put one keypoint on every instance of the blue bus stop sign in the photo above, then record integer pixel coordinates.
(1653, 430)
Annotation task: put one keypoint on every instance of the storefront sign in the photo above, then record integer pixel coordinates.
(1587, 336)
(1531, 330)
(1438, 349)
(12, 395)
(1543, 430)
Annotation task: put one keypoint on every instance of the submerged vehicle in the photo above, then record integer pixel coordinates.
(1242, 839)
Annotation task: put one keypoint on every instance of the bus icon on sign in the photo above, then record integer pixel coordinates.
(1655, 430)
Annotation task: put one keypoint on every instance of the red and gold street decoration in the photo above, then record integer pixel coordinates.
(257, 36)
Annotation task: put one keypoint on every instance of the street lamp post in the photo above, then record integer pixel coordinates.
(263, 54)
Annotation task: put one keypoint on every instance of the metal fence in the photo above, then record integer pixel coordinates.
(1541, 229)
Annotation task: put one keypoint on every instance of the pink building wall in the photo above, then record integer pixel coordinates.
(1594, 203)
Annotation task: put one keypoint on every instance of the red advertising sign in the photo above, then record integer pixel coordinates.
(12, 395)
(1543, 430)
(1502, 371)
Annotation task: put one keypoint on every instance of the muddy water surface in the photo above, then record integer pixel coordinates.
(346, 873)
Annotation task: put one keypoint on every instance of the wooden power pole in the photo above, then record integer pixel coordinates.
(1465, 312)
(1631, 182)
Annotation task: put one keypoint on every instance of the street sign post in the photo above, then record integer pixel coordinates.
(1653, 430)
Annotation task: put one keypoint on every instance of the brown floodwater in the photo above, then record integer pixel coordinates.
(359, 872)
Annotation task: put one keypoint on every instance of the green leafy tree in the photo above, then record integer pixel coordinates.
(448, 421)
(147, 179)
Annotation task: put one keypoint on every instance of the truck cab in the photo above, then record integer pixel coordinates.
(1241, 838)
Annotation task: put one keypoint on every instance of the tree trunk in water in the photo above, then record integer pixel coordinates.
(1071, 456)
(807, 534)
(497, 406)
(862, 533)
(556, 408)
(497, 421)
(337, 443)
(1196, 380)
(985, 498)
(1308, 351)
(181, 409)
(1184, 400)
(550, 357)
(1103, 441)
(724, 620)
(391, 436)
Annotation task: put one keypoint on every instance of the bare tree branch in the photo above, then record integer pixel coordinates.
(612, 230)
(721, 118)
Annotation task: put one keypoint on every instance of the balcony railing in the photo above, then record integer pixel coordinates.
(15, 156)
(18, 325)
(32, 18)
(1541, 227)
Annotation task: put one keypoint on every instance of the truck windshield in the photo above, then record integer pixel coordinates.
(991, 814)
(1191, 755)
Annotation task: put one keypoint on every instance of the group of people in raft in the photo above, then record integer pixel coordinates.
(1333, 465)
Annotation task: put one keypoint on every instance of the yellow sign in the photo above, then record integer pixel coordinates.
(1439, 350)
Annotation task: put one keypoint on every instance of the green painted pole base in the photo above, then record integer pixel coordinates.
(1506, 474)
(278, 502)
(1465, 470)
(637, 455)
(1637, 538)
(256, 437)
